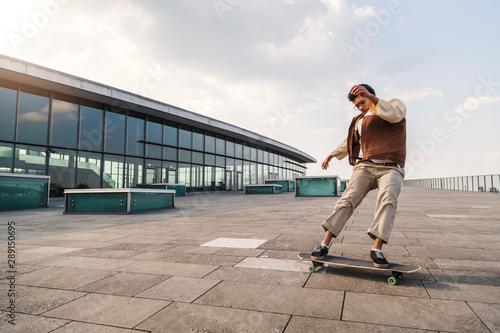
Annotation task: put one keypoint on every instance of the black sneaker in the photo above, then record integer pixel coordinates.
(378, 258)
(319, 252)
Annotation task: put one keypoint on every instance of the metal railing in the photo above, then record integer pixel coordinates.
(484, 183)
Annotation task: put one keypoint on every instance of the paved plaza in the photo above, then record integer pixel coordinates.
(225, 262)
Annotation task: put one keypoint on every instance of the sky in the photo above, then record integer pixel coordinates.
(283, 68)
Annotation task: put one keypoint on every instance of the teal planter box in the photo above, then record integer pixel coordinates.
(316, 186)
(180, 189)
(343, 185)
(123, 200)
(286, 184)
(19, 191)
(263, 189)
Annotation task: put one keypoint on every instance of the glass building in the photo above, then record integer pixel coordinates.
(88, 135)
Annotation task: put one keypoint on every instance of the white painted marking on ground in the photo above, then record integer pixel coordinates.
(444, 215)
(277, 264)
(238, 243)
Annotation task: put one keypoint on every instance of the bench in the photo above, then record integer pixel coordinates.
(263, 189)
(180, 189)
(117, 200)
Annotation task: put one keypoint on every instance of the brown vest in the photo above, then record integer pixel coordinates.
(379, 140)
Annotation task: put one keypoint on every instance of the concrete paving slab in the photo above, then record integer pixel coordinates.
(463, 292)
(64, 243)
(103, 253)
(276, 299)
(76, 327)
(488, 313)
(238, 243)
(161, 256)
(168, 268)
(296, 246)
(183, 317)
(475, 265)
(26, 323)
(124, 284)
(51, 250)
(411, 312)
(143, 239)
(137, 247)
(62, 278)
(119, 311)
(276, 264)
(36, 258)
(179, 289)
(212, 259)
(256, 275)
(306, 324)
(466, 277)
(91, 263)
(239, 252)
(194, 249)
(449, 252)
(87, 236)
(36, 300)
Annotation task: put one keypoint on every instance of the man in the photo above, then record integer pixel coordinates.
(376, 146)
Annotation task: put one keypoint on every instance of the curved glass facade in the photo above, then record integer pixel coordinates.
(81, 143)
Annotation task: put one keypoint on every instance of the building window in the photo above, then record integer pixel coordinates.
(198, 143)
(64, 122)
(89, 170)
(169, 153)
(246, 152)
(197, 157)
(8, 105)
(196, 178)
(184, 155)
(135, 136)
(30, 160)
(115, 132)
(185, 139)
(33, 117)
(210, 144)
(230, 148)
(209, 159)
(153, 134)
(133, 171)
(238, 150)
(62, 171)
(6, 156)
(91, 126)
(183, 174)
(113, 171)
(220, 146)
(170, 135)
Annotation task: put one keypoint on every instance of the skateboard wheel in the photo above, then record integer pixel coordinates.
(312, 269)
(392, 280)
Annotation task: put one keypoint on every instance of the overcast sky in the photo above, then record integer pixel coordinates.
(282, 68)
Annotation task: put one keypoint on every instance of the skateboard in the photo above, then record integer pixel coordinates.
(396, 269)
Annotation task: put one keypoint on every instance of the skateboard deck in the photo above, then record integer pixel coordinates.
(396, 269)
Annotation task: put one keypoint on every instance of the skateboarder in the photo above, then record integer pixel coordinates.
(376, 146)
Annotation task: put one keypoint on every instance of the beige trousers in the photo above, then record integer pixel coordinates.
(367, 176)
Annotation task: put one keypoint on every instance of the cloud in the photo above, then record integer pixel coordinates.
(411, 91)
(363, 12)
(64, 110)
(474, 103)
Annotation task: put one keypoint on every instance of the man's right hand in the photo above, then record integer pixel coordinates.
(325, 163)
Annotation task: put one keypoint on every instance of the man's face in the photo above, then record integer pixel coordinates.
(362, 104)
